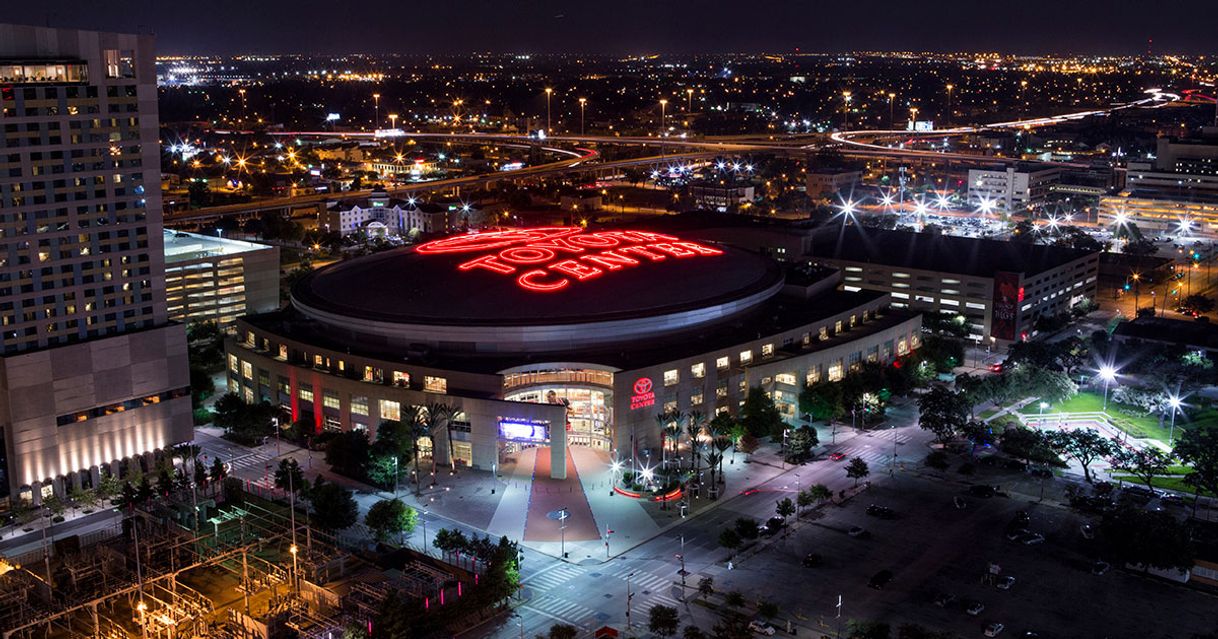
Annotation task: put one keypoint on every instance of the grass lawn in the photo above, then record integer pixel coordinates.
(987, 413)
(1127, 418)
(1167, 483)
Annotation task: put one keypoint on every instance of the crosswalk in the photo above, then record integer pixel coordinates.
(554, 578)
(563, 610)
(873, 450)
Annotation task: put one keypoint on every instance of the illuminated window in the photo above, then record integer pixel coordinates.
(698, 370)
(283, 351)
(837, 327)
(835, 371)
(823, 334)
(696, 398)
(401, 379)
(767, 350)
(247, 370)
(329, 399)
(671, 378)
(813, 376)
(359, 405)
(722, 363)
(305, 393)
(435, 384)
(746, 357)
(670, 407)
(232, 364)
(785, 378)
(390, 410)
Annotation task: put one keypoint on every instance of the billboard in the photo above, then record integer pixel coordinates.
(1008, 295)
(523, 430)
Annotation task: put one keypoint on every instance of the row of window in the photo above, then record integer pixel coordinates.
(119, 407)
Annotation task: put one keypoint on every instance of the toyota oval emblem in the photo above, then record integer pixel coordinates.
(642, 386)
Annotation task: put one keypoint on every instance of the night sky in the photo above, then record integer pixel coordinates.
(644, 26)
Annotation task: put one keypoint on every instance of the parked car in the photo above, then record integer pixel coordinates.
(994, 629)
(771, 526)
(883, 512)
(1015, 534)
(811, 560)
(762, 628)
(975, 608)
(1100, 567)
(1006, 582)
(1031, 539)
(944, 600)
(981, 491)
(959, 503)
(880, 579)
(858, 531)
(1087, 531)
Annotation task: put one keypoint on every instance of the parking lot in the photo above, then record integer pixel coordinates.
(934, 548)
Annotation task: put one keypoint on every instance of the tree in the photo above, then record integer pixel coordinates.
(747, 444)
(1151, 538)
(1084, 445)
(289, 476)
(800, 444)
(348, 453)
(334, 507)
(663, 620)
(760, 415)
(747, 528)
(943, 412)
(1198, 448)
(1144, 463)
(804, 499)
(857, 469)
(1027, 445)
(785, 508)
(695, 427)
(434, 417)
(218, 471)
(562, 631)
(706, 586)
(863, 629)
(822, 401)
(978, 433)
(729, 539)
(390, 517)
(692, 632)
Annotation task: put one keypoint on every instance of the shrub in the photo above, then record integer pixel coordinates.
(937, 459)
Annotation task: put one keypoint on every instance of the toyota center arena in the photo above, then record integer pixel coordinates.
(556, 337)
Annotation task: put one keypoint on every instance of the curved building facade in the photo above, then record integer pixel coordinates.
(555, 336)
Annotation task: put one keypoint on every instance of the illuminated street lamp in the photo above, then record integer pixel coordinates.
(1108, 374)
(689, 95)
(393, 120)
(549, 92)
(376, 100)
(663, 115)
(891, 98)
(846, 110)
(1040, 422)
(295, 579)
(949, 104)
(1174, 402)
(142, 608)
(582, 102)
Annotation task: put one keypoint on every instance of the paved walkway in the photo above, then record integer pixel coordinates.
(550, 495)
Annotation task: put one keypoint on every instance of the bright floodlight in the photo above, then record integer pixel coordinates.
(647, 474)
(1107, 373)
(985, 205)
(920, 208)
(1174, 402)
(1044, 405)
(1120, 219)
(886, 199)
(1053, 223)
(616, 466)
(1185, 225)
(943, 203)
(848, 207)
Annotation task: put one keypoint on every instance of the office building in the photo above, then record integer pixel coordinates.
(215, 279)
(93, 376)
(722, 195)
(1012, 189)
(555, 337)
(1001, 288)
(827, 182)
(379, 215)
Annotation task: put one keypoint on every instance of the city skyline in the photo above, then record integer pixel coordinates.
(1101, 28)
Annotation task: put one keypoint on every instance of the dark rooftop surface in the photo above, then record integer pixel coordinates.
(944, 253)
(406, 286)
(1174, 331)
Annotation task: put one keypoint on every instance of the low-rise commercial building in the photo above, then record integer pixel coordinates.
(215, 279)
(725, 196)
(1001, 288)
(380, 215)
(827, 182)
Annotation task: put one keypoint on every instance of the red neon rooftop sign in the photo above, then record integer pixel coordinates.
(552, 258)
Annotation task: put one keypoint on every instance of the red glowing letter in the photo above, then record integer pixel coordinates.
(489, 262)
(530, 281)
(526, 255)
(639, 250)
(580, 271)
(699, 249)
(611, 260)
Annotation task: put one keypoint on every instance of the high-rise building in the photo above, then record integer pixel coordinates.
(93, 376)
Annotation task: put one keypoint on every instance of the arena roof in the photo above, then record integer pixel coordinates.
(540, 276)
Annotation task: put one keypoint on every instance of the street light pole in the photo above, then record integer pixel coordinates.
(689, 95)
(663, 115)
(376, 99)
(629, 596)
(1174, 402)
(582, 102)
(891, 117)
(845, 110)
(949, 105)
(549, 91)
